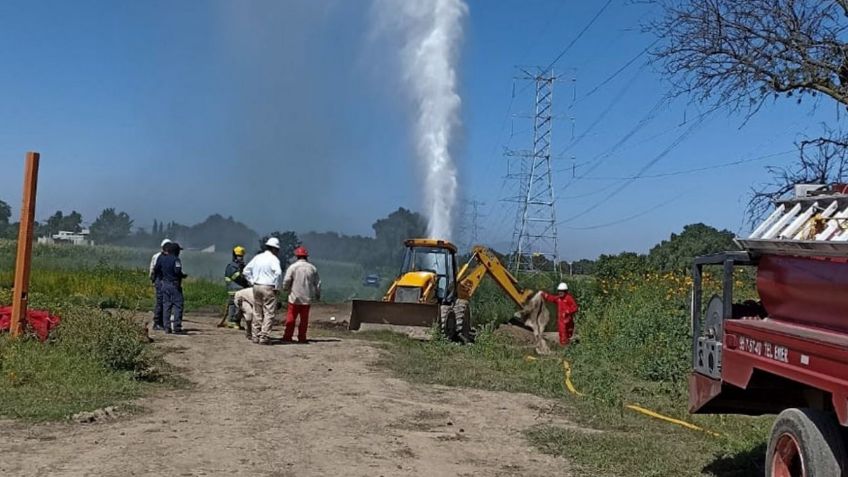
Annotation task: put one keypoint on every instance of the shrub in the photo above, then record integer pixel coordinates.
(115, 340)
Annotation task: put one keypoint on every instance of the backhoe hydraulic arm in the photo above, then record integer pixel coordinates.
(483, 262)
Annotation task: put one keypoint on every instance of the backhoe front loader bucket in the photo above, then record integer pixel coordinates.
(389, 313)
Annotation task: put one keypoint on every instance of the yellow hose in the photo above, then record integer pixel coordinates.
(566, 368)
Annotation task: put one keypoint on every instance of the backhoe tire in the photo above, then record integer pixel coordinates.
(806, 443)
(462, 320)
(447, 322)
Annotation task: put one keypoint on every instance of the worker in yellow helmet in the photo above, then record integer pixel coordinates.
(234, 277)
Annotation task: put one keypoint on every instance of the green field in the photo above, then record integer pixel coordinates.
(99, 356)
(116, 277)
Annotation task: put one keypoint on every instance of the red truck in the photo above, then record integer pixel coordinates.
(786, 354)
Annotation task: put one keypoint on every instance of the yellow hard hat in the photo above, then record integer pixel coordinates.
(238, 250)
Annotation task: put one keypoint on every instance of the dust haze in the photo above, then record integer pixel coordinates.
(283, 115)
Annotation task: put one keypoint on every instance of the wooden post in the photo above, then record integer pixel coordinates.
(23, 261)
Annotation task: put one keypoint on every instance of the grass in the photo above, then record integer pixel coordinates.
(615, 441)
(116, 277)
(97, 358)
(633, 349)
(93, 360)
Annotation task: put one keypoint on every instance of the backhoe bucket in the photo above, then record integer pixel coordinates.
(389, 313)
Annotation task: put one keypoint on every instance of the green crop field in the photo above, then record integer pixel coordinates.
(99, 355)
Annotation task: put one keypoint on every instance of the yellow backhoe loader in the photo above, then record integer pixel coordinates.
(430, 288)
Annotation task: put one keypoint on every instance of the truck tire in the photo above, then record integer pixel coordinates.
(462, 319)
(806, 443)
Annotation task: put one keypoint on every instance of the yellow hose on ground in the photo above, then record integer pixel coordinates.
(672, 420)
(566, 368)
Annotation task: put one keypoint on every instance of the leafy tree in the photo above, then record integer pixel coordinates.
(625, 263)
(677, 252)
(5, 215)
(61, 222)
(223, 233)
(583, 267)
(11, 231)
(345, 248)
(391, 231)
(288, 242)
(111, 226)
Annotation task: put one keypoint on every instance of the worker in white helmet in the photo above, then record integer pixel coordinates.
(157, 307)
(264, 273)
(566, 308)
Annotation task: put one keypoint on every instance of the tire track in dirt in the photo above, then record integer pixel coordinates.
(291, 410)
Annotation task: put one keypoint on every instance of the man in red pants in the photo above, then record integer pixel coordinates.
(566, 308)
(304, 287)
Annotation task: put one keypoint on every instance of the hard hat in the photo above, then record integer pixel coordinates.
(238, 250)
(562, 286)
(273, 242)
(165, 242)
(301, 252)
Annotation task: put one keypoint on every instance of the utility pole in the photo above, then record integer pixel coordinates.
(20, 293)
(535, 231)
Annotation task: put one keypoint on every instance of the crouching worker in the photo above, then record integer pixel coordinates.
(243, 302)
(245, 311)
(234, 277)
(304, 287)
(566, 308)
(169, 272)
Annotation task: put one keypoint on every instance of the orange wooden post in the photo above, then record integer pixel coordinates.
(24, 258)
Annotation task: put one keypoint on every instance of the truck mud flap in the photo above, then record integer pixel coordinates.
(388, 313)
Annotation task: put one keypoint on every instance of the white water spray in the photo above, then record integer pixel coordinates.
(431, 33)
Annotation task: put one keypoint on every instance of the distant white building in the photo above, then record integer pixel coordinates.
(73, 238)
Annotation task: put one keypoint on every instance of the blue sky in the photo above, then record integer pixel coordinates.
(289, 115)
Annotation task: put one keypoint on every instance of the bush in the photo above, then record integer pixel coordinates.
(114, 340)
(92, 360)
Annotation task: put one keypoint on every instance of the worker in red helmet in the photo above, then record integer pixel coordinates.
(304, 287)
(566, 308)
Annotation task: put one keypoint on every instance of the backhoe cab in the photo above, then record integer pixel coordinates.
(430, 289)
(428, 273)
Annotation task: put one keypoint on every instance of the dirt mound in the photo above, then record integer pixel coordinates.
(516, 334)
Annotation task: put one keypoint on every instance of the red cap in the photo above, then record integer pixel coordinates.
(301, 252)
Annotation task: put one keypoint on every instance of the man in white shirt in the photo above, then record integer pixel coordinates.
(264, 273)
(158, 323)
(304, 287)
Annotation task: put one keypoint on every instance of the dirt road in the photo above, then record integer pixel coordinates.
(290, 410)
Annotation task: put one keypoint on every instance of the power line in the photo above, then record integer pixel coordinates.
(691, 171)
(630, 217)
(618, 97)
(598, 159)
(579, 35)
(617, 72)
(682, 137)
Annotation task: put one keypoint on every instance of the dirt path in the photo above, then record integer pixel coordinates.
(290, 410)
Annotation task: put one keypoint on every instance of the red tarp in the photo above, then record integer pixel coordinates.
(40, 321)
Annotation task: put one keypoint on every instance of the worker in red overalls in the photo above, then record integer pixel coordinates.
(566, 308)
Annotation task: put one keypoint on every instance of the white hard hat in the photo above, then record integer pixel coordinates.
(165, 242)
(562, 286)
(273, 242)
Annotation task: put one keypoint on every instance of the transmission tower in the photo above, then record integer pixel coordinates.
(474, 222)
(535, 231)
